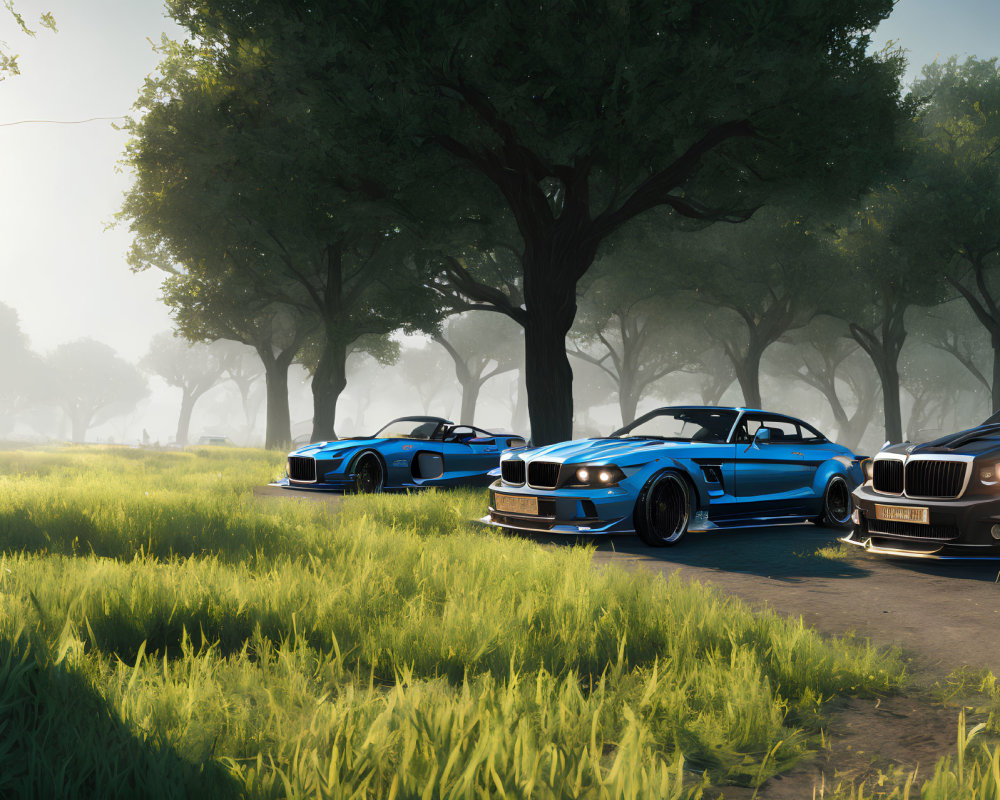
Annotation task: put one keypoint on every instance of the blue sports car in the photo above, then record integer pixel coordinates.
(676, 470)
(408, 453)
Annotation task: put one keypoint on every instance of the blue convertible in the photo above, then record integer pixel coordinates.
(408, 453)
(676, 470)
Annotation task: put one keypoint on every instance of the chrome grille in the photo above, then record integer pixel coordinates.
(543, 474)
(512, 472)
(302, 469)
(887, 476)
(925, 478)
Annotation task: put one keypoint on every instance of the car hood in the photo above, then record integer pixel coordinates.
(591, 450)
(332, 448)
(973, 442)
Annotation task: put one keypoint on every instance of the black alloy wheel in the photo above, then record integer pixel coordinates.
(663, 510)
(837, 504)
(368, 474)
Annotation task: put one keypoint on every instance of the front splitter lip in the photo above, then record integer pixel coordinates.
(934, 555)
(561, 529)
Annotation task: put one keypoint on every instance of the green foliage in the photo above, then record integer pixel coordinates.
(8, 60)
(235, 648)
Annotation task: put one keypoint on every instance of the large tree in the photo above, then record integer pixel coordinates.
(632, 327)
(579, 117)
(756, 283)
(883, 274)
(92, 384)
(240, 165)
(481, 347)
(193, 368)
(19, 367)
(824, 356)
(952, 196)
(207, 305)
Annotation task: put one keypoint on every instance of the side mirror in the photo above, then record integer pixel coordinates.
(762, 435)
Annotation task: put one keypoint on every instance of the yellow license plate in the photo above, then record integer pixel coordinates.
(916, 514)
(517, 505)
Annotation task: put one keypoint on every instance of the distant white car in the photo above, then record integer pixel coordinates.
(218, 441)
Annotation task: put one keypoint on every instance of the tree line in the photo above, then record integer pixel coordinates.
(315, 178)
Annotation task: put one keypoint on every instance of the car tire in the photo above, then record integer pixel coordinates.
(837, 505)
(663, 510)
(369, 474)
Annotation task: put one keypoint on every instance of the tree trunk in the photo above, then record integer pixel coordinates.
(628, 398)
(519, 416)
(996, 374)
(888, 373)
(329, 380)
(548, 375)
(470, 398)
(278, 430)
(79, 423)
(748, 375)
(184, 420)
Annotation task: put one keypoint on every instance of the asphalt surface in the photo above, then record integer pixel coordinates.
(945, 614)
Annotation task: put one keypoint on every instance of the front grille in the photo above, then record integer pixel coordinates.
(512, 472)
(887, 476)
(911, 530)
(543, 474)
(302, 468)
(934, 478)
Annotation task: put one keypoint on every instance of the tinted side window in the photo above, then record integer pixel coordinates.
(810, 435)
(783, 430)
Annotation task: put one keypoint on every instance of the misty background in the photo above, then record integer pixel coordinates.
(73, 312)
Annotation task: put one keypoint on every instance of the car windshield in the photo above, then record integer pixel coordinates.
(409, 429)
(681, 424)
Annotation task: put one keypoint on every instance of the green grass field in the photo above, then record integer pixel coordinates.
(165, 634)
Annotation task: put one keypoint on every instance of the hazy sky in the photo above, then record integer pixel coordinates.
(59, 186)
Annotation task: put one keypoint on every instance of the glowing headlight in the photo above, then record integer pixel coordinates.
(988, 475)
(593, 476)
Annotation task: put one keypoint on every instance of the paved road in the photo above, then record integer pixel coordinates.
(946, 614)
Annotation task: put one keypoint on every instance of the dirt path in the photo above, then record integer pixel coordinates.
(944, 613)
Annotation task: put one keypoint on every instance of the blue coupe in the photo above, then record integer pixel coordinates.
(676, 470)
(408, 453)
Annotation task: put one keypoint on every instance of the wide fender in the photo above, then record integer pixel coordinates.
(838, 465)
(695, 477)
(351, 462)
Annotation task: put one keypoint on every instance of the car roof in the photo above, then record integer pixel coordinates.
(420, 419)
(737, 409)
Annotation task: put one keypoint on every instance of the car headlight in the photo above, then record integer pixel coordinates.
(988, 474)
(595, 476)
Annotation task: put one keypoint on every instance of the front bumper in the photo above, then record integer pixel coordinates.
(568, 511)
(348, 484)
(959, 528)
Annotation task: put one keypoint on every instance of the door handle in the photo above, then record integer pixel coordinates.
(794, 453)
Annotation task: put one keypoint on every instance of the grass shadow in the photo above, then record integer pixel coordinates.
(61, 739)
(781, 552)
